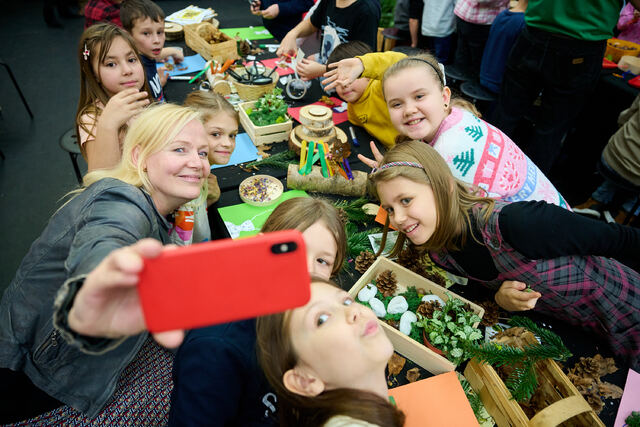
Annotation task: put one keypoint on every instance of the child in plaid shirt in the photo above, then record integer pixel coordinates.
(535, 255)
(102, 11)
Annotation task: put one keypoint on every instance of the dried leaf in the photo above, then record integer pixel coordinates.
(610, 391)
(413, 375)
(396, 363)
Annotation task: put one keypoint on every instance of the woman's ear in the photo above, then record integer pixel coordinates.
(135, 155)
(302, 382)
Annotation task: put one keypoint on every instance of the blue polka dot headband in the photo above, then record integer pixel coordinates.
(392, 164)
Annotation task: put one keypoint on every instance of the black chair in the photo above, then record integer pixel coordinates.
(15, 83)
(69, 143)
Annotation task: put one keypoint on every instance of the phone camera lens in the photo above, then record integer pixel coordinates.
(284, 248)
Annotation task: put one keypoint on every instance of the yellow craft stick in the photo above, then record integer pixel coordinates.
(303, 154)
(326, 154)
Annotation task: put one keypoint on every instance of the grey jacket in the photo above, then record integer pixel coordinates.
(108, 215)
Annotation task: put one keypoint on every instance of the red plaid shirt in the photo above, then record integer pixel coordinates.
(102, 10)
(479, 11)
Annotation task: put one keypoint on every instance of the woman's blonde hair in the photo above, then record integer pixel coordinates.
(301, 213)
(152, 130)
(429, 63)
(210, 103)
(277, 355)
(93, 47)
(453, 198)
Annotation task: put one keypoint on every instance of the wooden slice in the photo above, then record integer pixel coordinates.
(294, 141)
(173, 31)
(316, 116)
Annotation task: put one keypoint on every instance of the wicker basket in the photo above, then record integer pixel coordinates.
(617, 48)
(219, 51)
(253, 92)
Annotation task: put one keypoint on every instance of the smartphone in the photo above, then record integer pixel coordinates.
(224, 280)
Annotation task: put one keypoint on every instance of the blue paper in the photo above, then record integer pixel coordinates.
(193, 64)
(245, 152)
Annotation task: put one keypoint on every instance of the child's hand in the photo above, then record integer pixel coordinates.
(163, 75)
(121, 107)
(376, 154)
(514, 296)
(288, 46)
(271, 12)
(178, 55)
(255, 7)
(344, 72)
(308, 69)
(108, 305)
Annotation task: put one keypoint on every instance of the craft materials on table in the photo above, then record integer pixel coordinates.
(244, 152)
(244, 220)
(190, 64)
(353, 136)
(251, 33)
(276, 63)
(338, 117)
(260, 190)
(630, 401)
(191, 15)
(435, 401)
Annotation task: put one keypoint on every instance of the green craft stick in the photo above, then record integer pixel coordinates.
(323, 161)
(204, 70)
(310, 159)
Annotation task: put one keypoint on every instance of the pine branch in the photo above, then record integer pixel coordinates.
(280, 161)
(353, 209)
(357, 241)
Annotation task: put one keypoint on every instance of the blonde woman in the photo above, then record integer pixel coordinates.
(93, 239)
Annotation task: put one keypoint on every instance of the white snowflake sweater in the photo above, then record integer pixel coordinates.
(480, 154)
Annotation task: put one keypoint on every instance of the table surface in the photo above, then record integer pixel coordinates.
(579, 342)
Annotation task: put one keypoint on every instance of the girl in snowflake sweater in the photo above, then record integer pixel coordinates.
(420, 108)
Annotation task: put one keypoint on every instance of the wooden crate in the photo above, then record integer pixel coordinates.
(565, 404)
(263, 134)
(404, 345)
(219, 51)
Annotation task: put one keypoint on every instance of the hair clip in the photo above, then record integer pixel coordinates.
(86, 52)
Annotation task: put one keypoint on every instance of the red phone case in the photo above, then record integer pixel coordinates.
(223, 281)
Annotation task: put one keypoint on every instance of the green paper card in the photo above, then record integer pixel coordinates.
(251, 33)
(244, 220)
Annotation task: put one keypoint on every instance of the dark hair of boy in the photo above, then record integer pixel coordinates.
(348, 50)
(132, 10)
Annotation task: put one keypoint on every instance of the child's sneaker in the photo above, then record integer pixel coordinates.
(591, 207)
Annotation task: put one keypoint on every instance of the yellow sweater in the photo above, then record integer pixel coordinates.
(370, 111)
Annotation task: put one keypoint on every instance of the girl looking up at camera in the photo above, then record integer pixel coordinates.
(535, 255)
(113, 90)
(421, 108)
(326, 362)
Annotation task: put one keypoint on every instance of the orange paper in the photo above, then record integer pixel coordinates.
(381, 217)
(434, 402)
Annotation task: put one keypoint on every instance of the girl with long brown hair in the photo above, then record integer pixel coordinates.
(113, 90)
(535, 255)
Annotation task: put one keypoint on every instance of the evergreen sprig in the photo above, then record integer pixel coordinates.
(280, 160)
(357, 241)
(633, 420)
(353, 209)
(522, 382)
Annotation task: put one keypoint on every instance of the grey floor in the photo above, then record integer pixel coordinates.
(36, 172)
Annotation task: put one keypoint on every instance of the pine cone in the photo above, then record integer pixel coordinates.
(587, 367)
(408, 258)
(426, 308)
(393, 323)
(343, 216)
(387, 283)
(491, 313)
(364, 261)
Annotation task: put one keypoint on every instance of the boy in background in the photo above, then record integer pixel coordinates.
(280, 16)
(144, 20)
(365, 102)
(102, 11)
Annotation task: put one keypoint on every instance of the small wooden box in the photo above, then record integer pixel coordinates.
(263, 134)
(565, 404)
(219, 51)
(404, 345)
